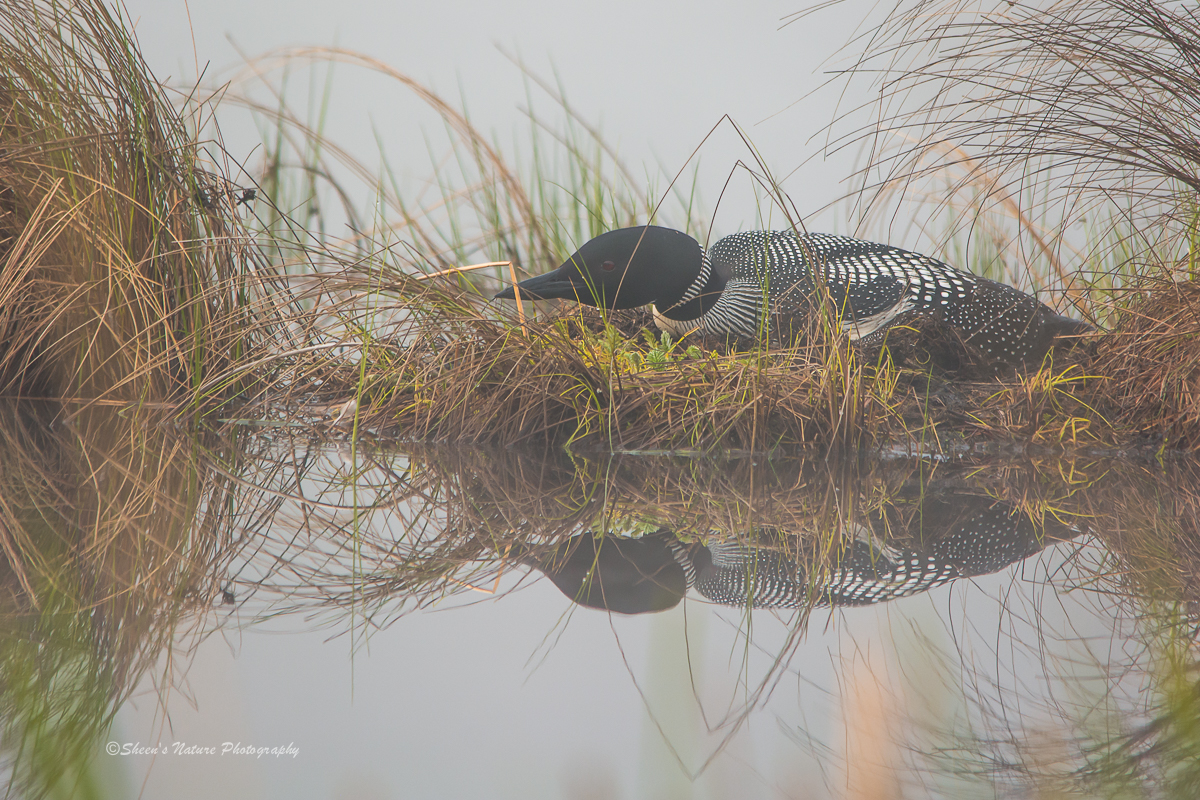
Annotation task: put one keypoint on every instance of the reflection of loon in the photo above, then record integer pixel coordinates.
(653, 573)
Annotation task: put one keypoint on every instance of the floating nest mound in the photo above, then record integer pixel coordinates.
(583, 378)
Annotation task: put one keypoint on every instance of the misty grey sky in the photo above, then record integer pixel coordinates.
(655, 77)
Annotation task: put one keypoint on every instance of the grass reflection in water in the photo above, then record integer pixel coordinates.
(806, 539)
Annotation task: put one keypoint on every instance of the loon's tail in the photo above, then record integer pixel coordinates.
(1060, 327)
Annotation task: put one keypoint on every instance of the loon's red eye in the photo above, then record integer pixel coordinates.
(608, 266)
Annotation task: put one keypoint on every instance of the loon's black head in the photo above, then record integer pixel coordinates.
(625, 268)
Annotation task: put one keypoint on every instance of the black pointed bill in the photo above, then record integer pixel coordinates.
(553, 285)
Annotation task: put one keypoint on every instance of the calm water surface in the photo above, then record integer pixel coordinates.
(403, 621)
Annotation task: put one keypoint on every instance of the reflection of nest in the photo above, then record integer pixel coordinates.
(370, 534)
(403, 530)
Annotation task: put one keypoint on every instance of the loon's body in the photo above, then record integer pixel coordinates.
(748, 281)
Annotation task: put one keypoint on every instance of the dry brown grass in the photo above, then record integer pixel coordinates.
(568, 378)
(129, 295)
(125, 275)
(1151, 364)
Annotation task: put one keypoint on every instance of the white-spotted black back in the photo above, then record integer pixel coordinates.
(874, 285)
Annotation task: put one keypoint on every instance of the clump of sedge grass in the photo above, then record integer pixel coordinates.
(128, 292)
(124, 273)
(1059, 118)
(1151, 363)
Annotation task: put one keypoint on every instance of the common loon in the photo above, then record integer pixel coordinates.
(744, 281)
